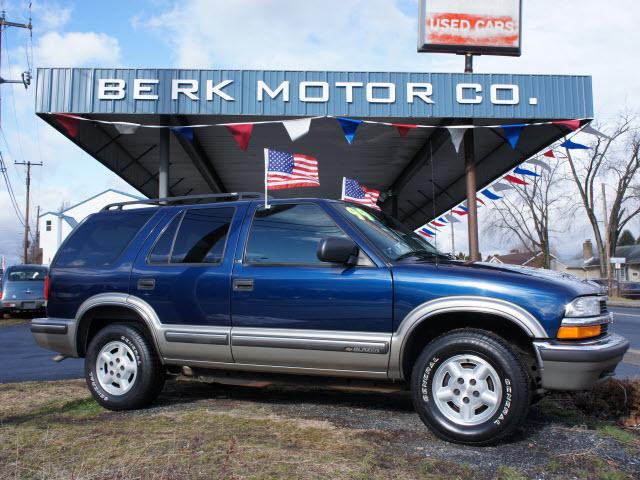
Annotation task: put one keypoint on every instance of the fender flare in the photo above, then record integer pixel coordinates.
(459, 304)
(135, 304)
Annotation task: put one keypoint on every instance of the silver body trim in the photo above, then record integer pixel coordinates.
(586, 321)
(461, 304)
(196, 337)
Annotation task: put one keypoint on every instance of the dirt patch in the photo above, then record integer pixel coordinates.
(7, 321)
(55, 430)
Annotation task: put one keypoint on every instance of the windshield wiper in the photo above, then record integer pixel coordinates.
(419, 254)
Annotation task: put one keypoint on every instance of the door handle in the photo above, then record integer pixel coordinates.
(243, 284)
(146, 284)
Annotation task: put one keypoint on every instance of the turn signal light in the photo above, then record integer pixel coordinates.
(579, 332)
(46, 287)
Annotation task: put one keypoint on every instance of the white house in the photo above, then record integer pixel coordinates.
(55, 226)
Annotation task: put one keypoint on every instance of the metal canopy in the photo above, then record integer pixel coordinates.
(423, 169)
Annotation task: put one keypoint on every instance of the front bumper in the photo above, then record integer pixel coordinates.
(579, 365)
(56, 334)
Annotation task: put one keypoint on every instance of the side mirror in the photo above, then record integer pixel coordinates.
(338, 250)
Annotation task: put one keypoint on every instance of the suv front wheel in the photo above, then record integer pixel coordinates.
(121, 368)
(469, 387)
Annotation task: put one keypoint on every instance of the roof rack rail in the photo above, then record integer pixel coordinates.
(189, 199)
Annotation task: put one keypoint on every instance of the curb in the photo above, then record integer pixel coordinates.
(624, 304)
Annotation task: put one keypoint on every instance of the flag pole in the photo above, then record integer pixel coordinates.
(266, 168)
(343, 181)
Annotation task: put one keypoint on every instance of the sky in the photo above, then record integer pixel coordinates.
(568, 37)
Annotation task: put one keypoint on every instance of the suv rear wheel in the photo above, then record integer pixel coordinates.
(121, 368)
(469, 387)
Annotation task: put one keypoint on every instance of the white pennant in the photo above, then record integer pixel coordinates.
(297, 128)
(540, 163)
(125, 128)
(456, 137)
(593, 131)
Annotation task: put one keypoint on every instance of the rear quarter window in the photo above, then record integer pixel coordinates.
(101, 239)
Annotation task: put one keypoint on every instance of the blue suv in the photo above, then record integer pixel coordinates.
(321, 291)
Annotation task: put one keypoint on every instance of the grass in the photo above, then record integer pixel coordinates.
(55, 430)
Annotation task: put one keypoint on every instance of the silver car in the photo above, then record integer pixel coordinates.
(23, 289)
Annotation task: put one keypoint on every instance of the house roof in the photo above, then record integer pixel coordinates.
(109, 190)
(631, 254)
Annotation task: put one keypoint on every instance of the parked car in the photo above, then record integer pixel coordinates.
(23, 289)
(311, 288)
(630, 290)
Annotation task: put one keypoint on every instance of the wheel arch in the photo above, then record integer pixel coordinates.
(431, 319)
(105, 309)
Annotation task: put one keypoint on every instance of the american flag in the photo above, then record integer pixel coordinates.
(290, 170)
(352, 191)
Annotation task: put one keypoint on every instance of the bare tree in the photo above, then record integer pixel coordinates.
(611, 160)
(524, 212)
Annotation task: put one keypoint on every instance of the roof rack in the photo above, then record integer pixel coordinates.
(189, 199)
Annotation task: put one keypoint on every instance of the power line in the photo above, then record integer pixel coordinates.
(12, 196)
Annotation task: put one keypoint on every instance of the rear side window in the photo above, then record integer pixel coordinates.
(99, 240)
(201, 238)
(289, 234)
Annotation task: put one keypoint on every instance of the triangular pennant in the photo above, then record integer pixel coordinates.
(186, 132)
(126, 128)
(501, 186)
(442, 220)
(589, 129)
(451, 218)
(403, 128)
(427, 232)
(540, 163)
(573, 145)
(549, 153)
(456, 137)
(524, 171)
(490, 195)
(437, 224)
(572, 124)
(516, 180)
(349, 127)
(68, 122)
(512, 132)
(459, 212)
(297, 128)
(242, 133)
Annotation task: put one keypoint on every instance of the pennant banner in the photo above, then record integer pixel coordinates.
(297, 128)
(186, 132)
(456, 137)
(549, 153)
(490, 195)
(502, 186)
(524, 171)
(572, 124)
(592, 131)
(512, 132)
(539, 163)
(242, 133)
(68, 122)
(516, 180)
(568, 144)
(126, 128)
(403, 128)
(349, 127)
(451, 218)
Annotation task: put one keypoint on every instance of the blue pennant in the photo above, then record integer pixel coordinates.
(428, 232)
(349, 127)
(490, 195)
(186, 132)
(524, 171)
(512, 132)
(573, 146)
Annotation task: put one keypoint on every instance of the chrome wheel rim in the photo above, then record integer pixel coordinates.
(467, 390)
(116, 368)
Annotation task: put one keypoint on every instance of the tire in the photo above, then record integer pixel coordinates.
(476, 411)
(122, 369)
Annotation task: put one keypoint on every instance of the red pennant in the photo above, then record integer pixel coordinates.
(68, 122)
(437, 224)
(403, 128)
(460, 212)
(572, 124)
(242, 133)
(549, 153)
(480, 201)
(512, 179)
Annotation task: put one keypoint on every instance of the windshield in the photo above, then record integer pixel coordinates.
(388, 234)
(26, 274)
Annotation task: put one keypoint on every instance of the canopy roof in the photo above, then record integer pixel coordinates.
(423, 168)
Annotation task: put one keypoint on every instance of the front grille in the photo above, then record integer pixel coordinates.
(603, 306)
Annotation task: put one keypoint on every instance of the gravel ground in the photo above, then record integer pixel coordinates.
(547, 441)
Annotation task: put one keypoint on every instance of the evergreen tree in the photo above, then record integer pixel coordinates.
(626, 238)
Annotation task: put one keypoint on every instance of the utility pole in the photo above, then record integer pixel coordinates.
(26, 211)
(26, 76)
(607, 240)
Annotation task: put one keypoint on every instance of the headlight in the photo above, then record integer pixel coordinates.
(583, 307)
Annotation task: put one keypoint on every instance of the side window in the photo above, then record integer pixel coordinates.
(162, 249)
(289, 234)
(202, 235)
(101, 238)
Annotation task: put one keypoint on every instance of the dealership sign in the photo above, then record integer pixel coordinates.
(489, 27)
(310, 91)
